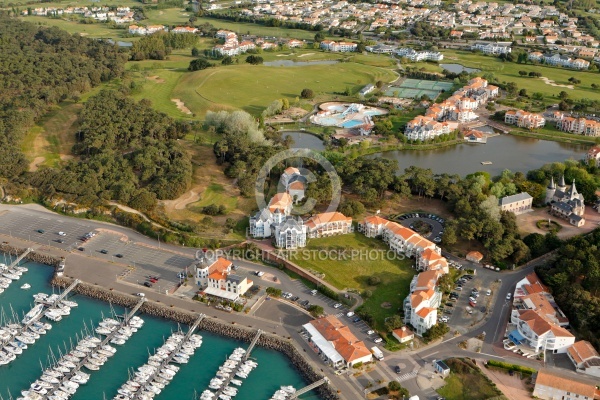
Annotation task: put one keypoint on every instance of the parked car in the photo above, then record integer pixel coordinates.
(119, 255)
(508, 296)
(314, 292)
(337, 305)
(141, 294)
(473, 299)
(104, 251)
(148, 284)
(355, 320)
(350, 314)
(489, 292)
(62, 234)
(459, 288)
(40, 231)
(295, 298)
(81, 249)
(397, 369)
(378, 340)
(370, 332)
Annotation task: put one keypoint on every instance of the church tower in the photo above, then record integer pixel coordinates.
(573, 192)
(550, 191)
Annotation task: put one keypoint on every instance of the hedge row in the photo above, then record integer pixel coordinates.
(511, 367)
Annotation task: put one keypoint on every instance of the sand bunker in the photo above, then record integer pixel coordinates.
(156, 79)
(181, 107)
(552, 83)
(304, 55)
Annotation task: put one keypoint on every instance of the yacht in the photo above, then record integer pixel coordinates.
(33, 313)
(53, 315)
(10, 276)
(236, 382)
(91, 367)
(26, 286)
(207, 395)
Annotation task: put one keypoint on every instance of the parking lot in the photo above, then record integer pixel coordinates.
(436, 223)
(464, 314)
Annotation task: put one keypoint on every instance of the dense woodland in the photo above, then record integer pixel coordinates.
(41, 67)
(127, 152)
(575, 282)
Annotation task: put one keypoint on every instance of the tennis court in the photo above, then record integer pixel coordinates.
(415, 88)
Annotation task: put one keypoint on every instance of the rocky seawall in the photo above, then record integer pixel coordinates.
(33, 256)
(208, 324)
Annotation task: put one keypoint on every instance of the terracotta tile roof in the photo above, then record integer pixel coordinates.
(297, 185)
(427, 279)
(217, 276)
(291, 170)
(280, 201)
(582, 351)
(325, 218)
(566, 384)
(376, 220)
(424, 312)
(534, 286)
(475, 255)
(220, 265)
(430, 255)
(403, 332)
(341, 337)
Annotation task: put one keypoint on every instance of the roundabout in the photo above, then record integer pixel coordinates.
(429, 226)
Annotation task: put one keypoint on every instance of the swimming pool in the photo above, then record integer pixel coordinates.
(373, 112)
(351, 124)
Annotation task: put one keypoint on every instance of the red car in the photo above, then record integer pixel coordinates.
(153, 280)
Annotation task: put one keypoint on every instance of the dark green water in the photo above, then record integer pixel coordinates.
(273, 369)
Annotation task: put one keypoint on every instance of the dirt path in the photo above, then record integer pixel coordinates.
(512, 387)
(305, 55)
(34, 165)
(181, 106)
(182, 201)
(552, 83)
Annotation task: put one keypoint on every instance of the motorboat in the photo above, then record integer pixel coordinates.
(40, 297)
(10, 276)
(33, 313)
(91, 367)
(53, 315)
(236, 382)
(13, 350)
(26, 286)
(207, 395)
(117, 341)
(109, 348)
(69, 303)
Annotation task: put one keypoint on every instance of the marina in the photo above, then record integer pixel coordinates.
(105, 382)
(12, 272)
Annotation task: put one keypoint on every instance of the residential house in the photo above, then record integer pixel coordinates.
(517, 203)
(226, 285)
(585, 358)
(184, 29)
(593, 154)
(420, 306)
(328, 224)
(373, 226)
(335, 343)
(414, 55)
(473, 136)
(403, 334)
(294, 183)
(380, 49)
(263, 222)
(551, 386)
(474, 256)
(524, 119)
(343, 47)
(431, 260)
(204, 265)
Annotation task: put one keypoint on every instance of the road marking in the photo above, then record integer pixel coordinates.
(491, 355)
(429, 355)
(406, 377)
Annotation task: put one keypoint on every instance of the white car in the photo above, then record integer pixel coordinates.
(337, 305)
(260, 273)
(350, 314)
(141, 294)
(62, 234)
(488, 293)
(378, 340)
(508, 296)
(370, 332)
(444, 319)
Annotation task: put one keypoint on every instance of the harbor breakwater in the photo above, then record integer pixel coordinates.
(208, 324)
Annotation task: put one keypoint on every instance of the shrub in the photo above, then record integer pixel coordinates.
(307, 94)
(315, 310)
(374, 280)
(511, 367)
(274, 292)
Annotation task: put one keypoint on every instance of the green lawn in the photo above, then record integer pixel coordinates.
(168, 16)
(509, 72)
(214, 194)
(98, 30)
(354, 272)
(252, 88)
(467, 383)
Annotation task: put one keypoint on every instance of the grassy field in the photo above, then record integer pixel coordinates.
(243, 28)
(252, 88)
(395, 274)
(467, 384)
(98, 30)
(168, 16)
(79, 3)
(509, 72)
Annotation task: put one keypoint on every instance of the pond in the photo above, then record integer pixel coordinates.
(457, 68)
(504, 152)
(305, 140)
(290, 63)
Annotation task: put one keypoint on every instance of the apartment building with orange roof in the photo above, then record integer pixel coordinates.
(538, 321)
(329, 224)
(335, 343)
(431, 260)
(581, 126)
(372, 226)
(524, 119)
(585, 358)
(552, 386)
(420, 306)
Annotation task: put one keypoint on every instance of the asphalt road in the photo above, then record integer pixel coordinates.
(436, 227)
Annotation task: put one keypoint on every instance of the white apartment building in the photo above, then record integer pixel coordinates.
(420, 306)
(329, 224)
(493, 47)
(330, 45)
(524, 119)
(550, 386)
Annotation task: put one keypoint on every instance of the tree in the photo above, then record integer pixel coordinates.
(523, 73)
(273, 292)
(435, 332)
(523, 92)
(307, 94)
(195, 52)
(199, 64)
(511, 89)
(254, 60)
(227, 60)
(393, 322)
(374, 280)
(563, 95)
(352, 208)
(319, 37)
(315, 310)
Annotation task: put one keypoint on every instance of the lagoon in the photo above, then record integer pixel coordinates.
(457, 68)
(305, 140)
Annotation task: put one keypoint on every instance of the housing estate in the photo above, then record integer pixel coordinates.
(581, 126)
(565, 202)
(492, 47)
(585, 358)
(458, 107)
(593, 154)
(335, 343)
(524, 119)
(421, 305)
(414, 55)
(342, 47)
(538, 321)
(517, 203)
(561, 60)
(329, 224)
(213, 275)
(550, 386)
(146, 30)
